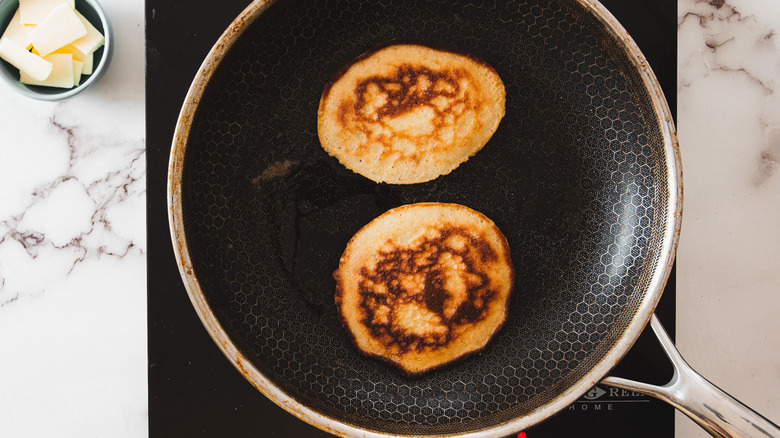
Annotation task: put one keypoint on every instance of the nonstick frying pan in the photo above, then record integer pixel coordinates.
(583, 177)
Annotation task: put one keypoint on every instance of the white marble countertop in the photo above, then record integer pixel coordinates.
(728, 261)
(72, 234)
(72, 253)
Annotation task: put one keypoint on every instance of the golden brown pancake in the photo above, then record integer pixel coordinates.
(407, 113)
(424, 284)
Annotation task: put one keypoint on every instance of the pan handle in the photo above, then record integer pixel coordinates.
(717, 412)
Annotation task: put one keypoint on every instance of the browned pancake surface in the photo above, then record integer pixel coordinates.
(424, 284)
(408, 113)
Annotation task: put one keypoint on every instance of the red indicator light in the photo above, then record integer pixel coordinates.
(521, 435)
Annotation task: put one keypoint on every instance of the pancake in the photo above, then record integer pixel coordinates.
(408, 113)
(424, 285)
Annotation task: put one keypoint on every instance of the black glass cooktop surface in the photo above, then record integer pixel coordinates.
(195, 391)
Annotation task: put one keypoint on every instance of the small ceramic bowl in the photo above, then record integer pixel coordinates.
(92, 11)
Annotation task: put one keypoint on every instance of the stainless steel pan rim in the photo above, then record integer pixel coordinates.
(269, 389)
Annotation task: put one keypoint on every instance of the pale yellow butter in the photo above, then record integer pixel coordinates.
(18, 32)
(29, 64)
(61, 27)
(78, 55)
(78, 67)
(92, 40)
(88, 64)
(61, 75)
(35, 11)
(62, 42)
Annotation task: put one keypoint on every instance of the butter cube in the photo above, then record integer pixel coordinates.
(92, 40)
(78, 67)
(60, 28)
(35, 11)
(78, 55)
(61, 75)
(29, 64)
(88, 64)
(18, 32)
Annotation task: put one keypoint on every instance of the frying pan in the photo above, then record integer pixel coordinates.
(582, 176)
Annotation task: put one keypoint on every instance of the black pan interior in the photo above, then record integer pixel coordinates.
(574, 177)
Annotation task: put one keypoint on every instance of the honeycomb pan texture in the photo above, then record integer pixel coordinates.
(575, 177)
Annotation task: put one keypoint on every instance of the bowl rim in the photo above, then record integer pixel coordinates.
(97, 73)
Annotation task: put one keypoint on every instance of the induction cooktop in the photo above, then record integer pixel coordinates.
(195, 392)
